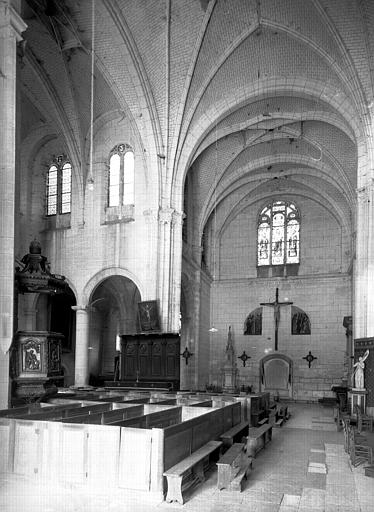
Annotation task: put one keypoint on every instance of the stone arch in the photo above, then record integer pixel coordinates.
(103, 274)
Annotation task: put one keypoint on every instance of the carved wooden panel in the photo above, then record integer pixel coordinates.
(150, 357)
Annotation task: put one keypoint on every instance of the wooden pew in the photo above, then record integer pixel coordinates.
(106, 417)
(258, 437)
(233, 467)
(191, 469)
(160, 419)
(234, 434)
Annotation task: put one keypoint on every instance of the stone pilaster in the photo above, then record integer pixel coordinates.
(11, 27)
(81, 346)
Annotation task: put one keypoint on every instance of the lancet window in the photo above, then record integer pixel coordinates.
(121, 176)
(278, 234)
(58, 187)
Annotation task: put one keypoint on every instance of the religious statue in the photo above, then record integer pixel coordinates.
(358, 373)
(276, 305)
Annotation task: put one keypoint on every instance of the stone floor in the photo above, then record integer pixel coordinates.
(303, 469)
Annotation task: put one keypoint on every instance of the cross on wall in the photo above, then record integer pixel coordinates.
(276, 305)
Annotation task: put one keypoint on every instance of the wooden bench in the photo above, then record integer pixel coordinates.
(235, 434)
(190, 466)
(233, 467)
(258, 438)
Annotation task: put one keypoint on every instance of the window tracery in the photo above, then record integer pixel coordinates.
(58, 187)
(278, 234)
(121, 176)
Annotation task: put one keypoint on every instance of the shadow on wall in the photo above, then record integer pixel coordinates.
(68, 368)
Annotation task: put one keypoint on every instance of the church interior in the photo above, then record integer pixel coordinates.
(187, 248)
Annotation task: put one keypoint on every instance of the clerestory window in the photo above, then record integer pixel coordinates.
(278, 234)
(121, 176)
(58, 187)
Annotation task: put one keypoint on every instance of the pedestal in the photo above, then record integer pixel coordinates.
(357, 397)
(229, 379)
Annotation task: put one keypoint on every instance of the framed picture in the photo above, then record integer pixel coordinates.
(148, 316)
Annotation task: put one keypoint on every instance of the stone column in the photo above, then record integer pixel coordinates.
(81, 346)
(364, 265)
(175, 270)
(165, 218)
(11, 27)
(151, 255)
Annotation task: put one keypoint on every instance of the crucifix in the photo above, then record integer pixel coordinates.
(276, 305)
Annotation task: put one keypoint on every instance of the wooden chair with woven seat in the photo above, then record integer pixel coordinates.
(346, 425)
(359, 453)
(364, 422)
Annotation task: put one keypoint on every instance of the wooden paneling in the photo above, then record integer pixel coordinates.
(74, 453)
(135, 459)
(102, 456)
(150, 358)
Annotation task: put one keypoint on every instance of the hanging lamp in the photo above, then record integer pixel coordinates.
(213, 329)
(90, 179)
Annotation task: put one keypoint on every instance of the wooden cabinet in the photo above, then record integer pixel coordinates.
(150, 358)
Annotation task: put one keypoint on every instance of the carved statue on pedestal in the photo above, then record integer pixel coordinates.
(358, 374)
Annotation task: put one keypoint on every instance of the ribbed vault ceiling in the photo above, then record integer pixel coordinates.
(254, 96)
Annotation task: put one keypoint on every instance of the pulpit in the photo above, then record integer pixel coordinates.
(36, 358)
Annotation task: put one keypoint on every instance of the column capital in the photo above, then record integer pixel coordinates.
(165, 215)
(11, 19)
(79, 307)
(364, 193)
(177, 218)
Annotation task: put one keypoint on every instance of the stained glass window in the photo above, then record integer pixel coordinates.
(278, 234)
(58, 187)
(121, 176)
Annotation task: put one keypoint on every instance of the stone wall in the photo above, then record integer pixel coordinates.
(322, 289)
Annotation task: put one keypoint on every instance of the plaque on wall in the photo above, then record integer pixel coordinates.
(148, 316)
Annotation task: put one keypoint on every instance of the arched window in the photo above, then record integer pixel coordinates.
(253, 322)
(121, 176)
(58, 187)
(300, 322)
(278, 234)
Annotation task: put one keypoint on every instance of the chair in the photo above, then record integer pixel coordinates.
(345, 423)
(363, 420)
(359, 453)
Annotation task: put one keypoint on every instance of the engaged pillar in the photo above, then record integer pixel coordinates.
(11, 27)
(81, 346)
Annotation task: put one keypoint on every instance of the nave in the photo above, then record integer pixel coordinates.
(304, 468)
